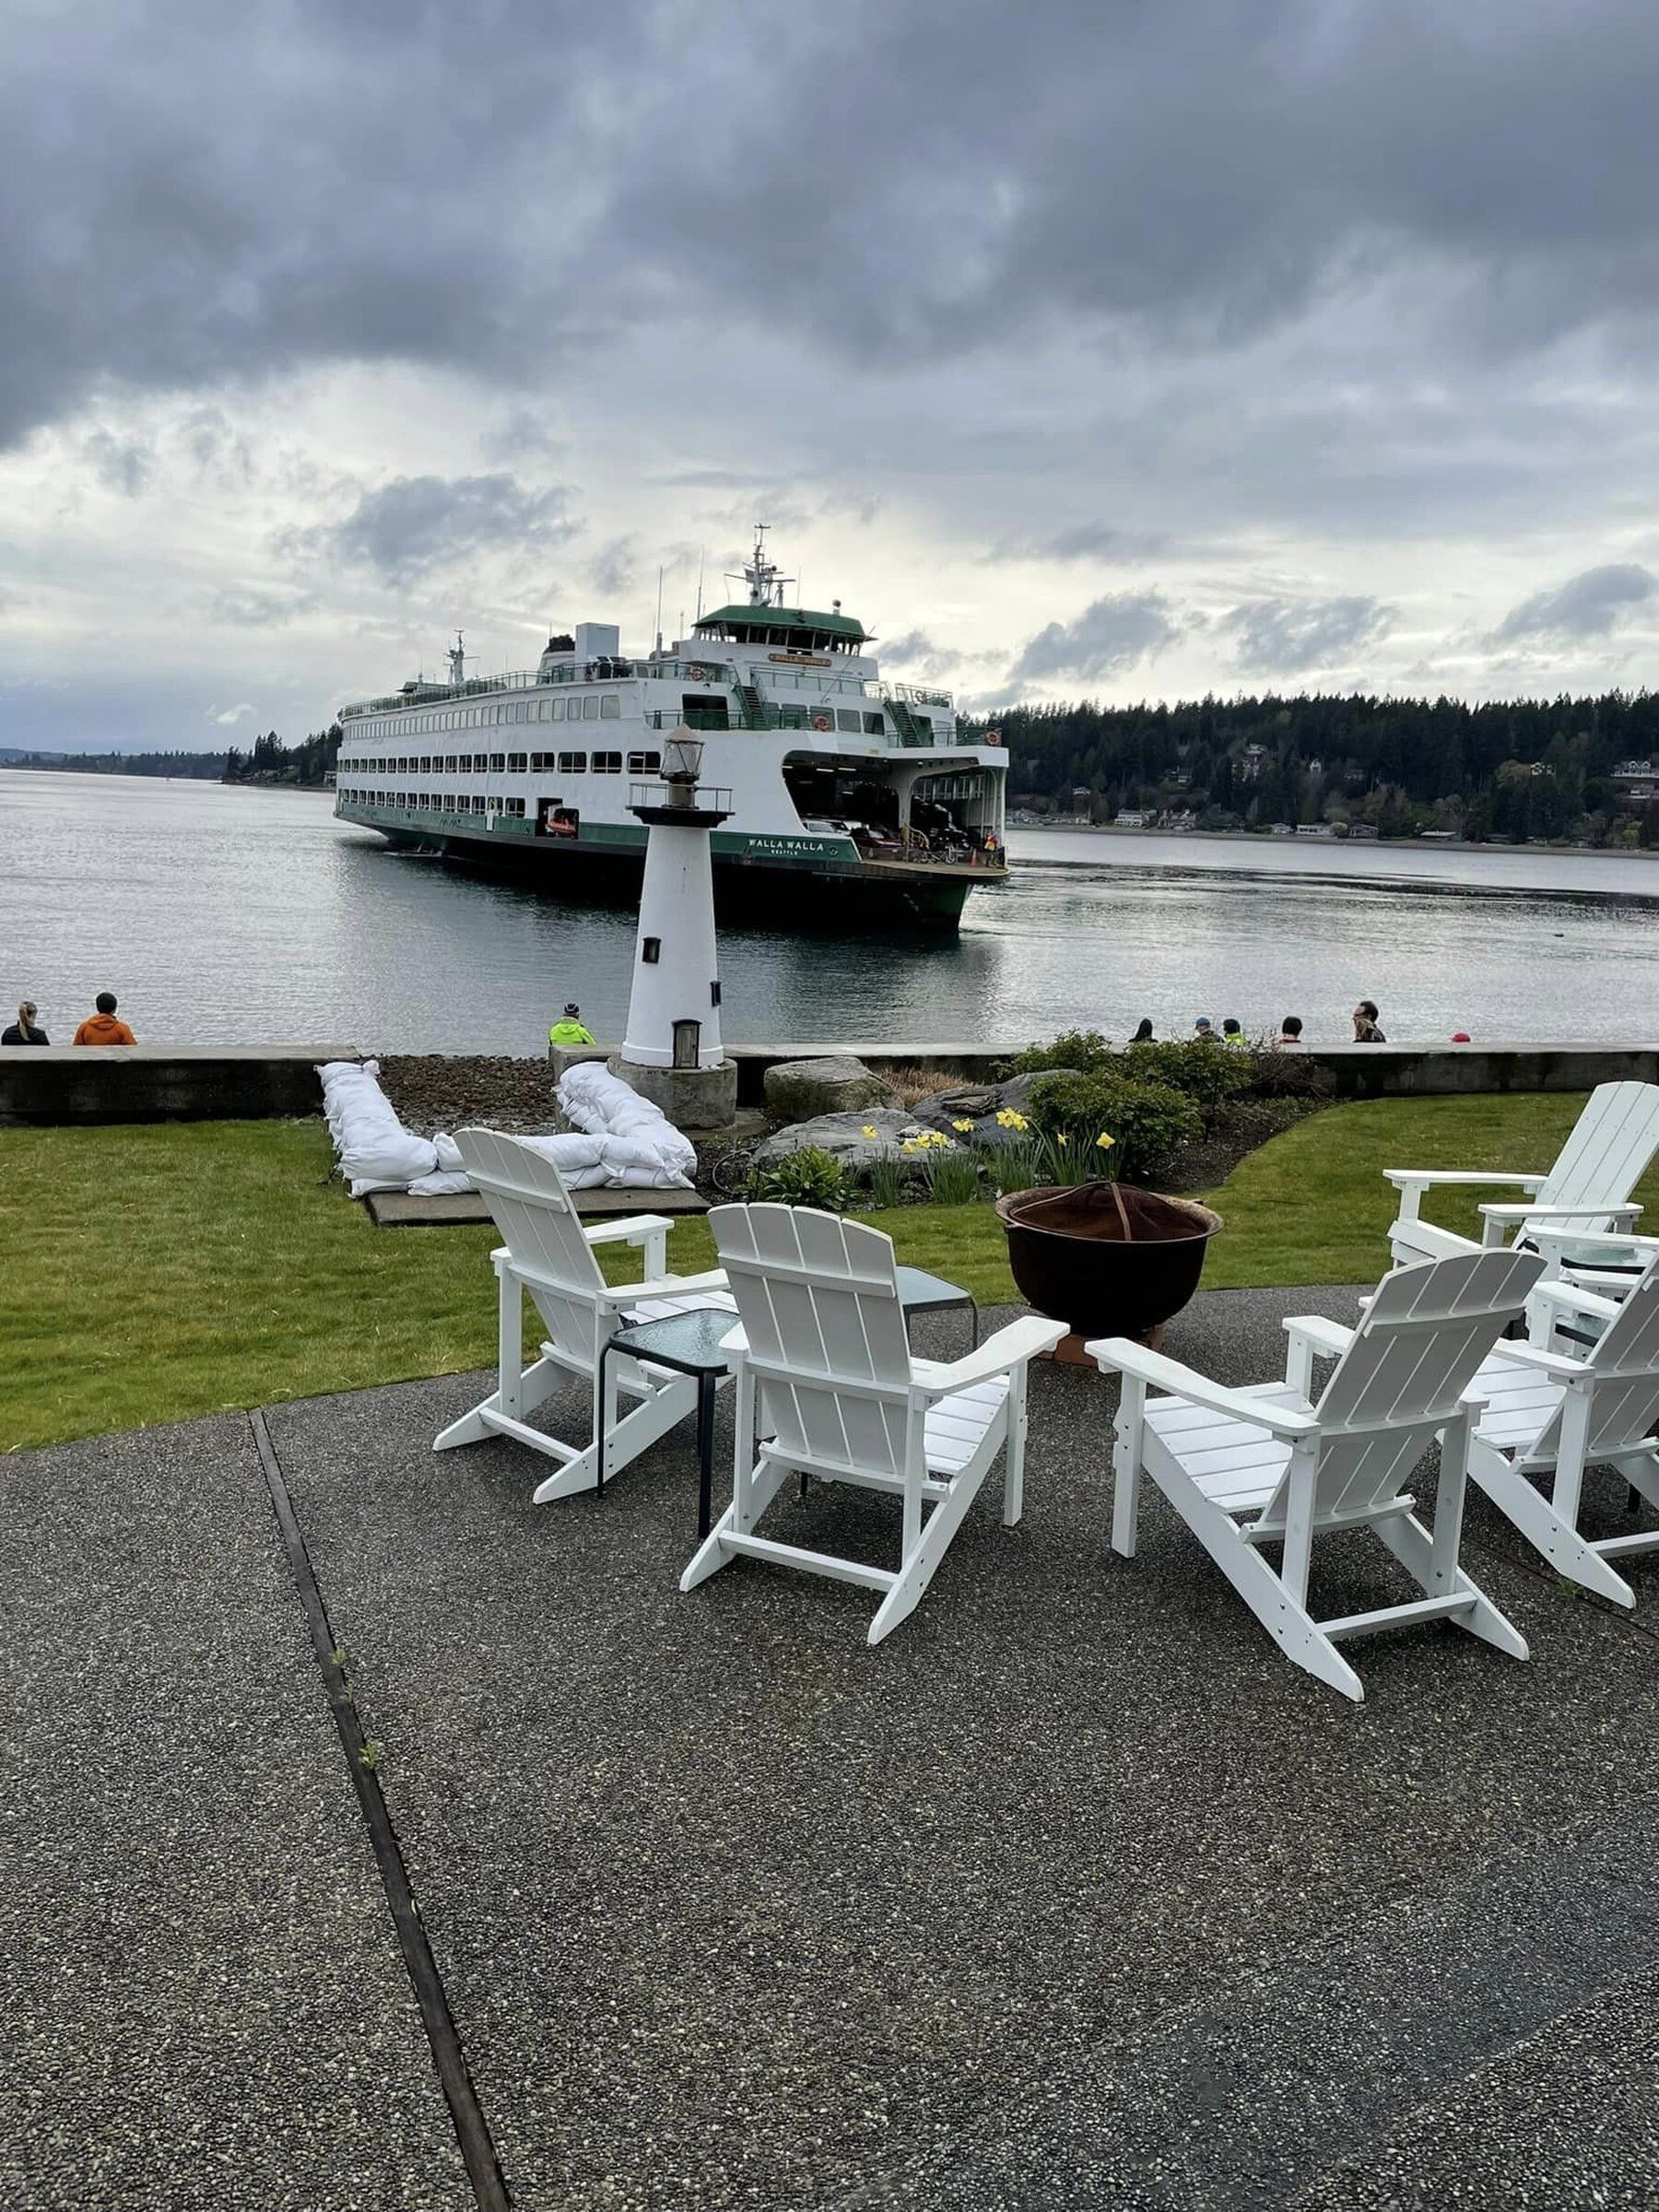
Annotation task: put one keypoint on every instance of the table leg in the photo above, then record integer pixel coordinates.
(706, 1385)
(599, 1424)
(973, 1325)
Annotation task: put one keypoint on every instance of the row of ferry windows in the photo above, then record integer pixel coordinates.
(435, 802)
(593, 706)
(508, 764)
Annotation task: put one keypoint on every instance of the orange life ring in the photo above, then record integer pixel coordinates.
(822, 722)
(697, 674)
(992, 736)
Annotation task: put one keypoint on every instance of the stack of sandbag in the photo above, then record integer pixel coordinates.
(638, 1143)
(375, 1151)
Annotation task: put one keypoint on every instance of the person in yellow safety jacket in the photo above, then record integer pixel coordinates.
(570, 1029)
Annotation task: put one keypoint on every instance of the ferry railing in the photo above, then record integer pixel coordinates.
(605, 668)
(914, 695)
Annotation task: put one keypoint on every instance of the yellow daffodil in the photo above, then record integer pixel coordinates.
(1062, 1139)
(1105, 1142)
(963, 1125)
(870, 1129)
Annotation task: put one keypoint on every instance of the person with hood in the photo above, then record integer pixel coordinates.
(102, 1027)
(570, 1029)
(25, 1030)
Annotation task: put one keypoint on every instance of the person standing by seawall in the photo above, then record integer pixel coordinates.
(570, 1029)
(102, 1027)
(25, 1030)
(1365, 1024)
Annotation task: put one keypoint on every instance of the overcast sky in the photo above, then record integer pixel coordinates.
(1081, 347)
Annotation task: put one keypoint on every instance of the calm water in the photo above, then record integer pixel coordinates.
(232, 916)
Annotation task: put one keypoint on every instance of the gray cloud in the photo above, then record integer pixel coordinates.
(123, 464)
(1106, 639)
(1283, 635)
(611, 570)
(416, 525)
(1084, 541)
(1586, 606)
(162, 235)
(247, 609)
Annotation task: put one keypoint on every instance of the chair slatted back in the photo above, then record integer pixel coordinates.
(818, 1301)
(1624, 1361)
(531, 1206)
(1402, 1377)
(1608, 1148)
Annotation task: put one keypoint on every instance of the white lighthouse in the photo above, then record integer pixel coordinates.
(672, 1052)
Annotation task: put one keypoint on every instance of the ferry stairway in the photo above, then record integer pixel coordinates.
(905, 721)
(751, 713)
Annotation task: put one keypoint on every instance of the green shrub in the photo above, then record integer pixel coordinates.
(1147, 1121)
(809, 1177)
(1207, 1073)
(1085, 1050)
(884, 1179)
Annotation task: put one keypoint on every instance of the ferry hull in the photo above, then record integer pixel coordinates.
(792, 895)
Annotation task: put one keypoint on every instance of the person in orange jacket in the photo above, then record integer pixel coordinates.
(102, 1027)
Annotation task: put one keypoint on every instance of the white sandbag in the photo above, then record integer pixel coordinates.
(604, 1105)
(449, 1155)
(375, 1151)
(446, 1183)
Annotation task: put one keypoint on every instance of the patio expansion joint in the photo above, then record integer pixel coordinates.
(473, 2132)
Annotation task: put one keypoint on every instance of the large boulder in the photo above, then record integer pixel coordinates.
(980, 1104)
(844, 1137)
(798, 1090)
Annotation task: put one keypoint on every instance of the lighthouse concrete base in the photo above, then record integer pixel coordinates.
(692, 1097)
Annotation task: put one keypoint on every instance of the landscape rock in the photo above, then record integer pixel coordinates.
(843, 1137)
(798, 1090)
(980, 1104)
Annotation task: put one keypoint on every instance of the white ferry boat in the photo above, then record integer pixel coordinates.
(860, 794)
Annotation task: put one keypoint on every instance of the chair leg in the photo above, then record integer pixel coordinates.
(1014, 1453)
(760, 1487)
(1126, 1466)
(625, 1440)
(1524, 1505)
(1414, 1547)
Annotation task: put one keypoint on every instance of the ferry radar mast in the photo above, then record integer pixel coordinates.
(457, 661)
(763, 576)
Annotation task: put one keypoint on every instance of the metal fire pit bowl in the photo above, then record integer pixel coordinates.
(1107, 1259)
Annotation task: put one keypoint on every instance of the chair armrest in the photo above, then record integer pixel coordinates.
(633, 1230)
(666, 1286)
(1329, 1339)
(1531, 1355)
(1311, 1337)
(1509, 1213)
(1580, 1299)
(1422, 1179)
(1132, 1359)
(1011, 1347)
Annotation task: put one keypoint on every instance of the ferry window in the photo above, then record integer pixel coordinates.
(846, 718)
(610, 706)
(792, 718)
(515, 806)
(589, 707)
(517, 763)
(538, 761)
(449, 764)
(574, 764)
(497, 764)
(873, 725)
(607, 764)
(644, 764)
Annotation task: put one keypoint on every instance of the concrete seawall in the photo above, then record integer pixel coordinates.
(48, 1084)
(60, 1084)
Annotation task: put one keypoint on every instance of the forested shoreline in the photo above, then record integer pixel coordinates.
(1509, 769)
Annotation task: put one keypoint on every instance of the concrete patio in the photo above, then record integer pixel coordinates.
(1073, 1893)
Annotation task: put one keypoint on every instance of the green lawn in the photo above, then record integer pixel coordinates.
(159, 1271)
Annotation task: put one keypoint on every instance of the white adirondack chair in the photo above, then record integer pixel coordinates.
(1270, 1464)
(824, 1360)
(1548, 1416)
(548, 1253)
(1587, 1189)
